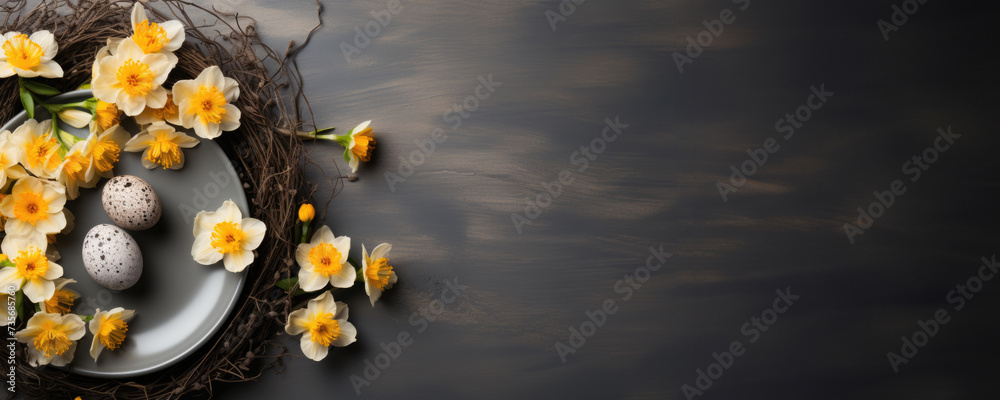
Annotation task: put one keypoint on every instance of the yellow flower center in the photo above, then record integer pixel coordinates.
(227, 237)
(22, 53)
(364, 145)
(31, 263)
(60, 302)
(208, 104)
(106, 154)
(30, 207)
(52, 340)
(164, 152)
(323, 329)
(40, 151)
(75, 167)
(168, 111)
(150, 36)
(378, 273)
(325, 259)
(112, 331)
(135, 78)
(107, 115)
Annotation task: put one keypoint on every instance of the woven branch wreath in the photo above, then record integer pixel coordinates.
(173, 76)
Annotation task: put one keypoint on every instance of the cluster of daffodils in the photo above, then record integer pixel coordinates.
(53, 331)
(42, 167)
(323, 260)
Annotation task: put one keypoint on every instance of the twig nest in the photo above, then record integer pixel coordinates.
(112, 257)
(131, 203)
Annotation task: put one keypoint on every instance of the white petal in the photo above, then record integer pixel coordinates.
(8, 278)
(231, 119)
(237, 261)
(38, 290)
(230, 212)
(345, 277)
(47, 42)
(294, 325)
(348, 334)
(254, 230)
(175, 34)
(311, 281)
(202, 250)
(381, 251)
(302, 254)
(313, 350)
(323, 235)
(138, 14)
(211, 76)
(49, 69)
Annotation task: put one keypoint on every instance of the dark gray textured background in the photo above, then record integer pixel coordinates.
(656, 184)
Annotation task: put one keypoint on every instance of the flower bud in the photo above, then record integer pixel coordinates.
(307, 212)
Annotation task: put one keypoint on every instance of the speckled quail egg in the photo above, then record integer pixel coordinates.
(131, 203)
(112, 257)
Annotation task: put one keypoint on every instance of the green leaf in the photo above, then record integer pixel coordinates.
(287, 284)
(86, 318)
(40, 88)
(347, 155)
(28, 101)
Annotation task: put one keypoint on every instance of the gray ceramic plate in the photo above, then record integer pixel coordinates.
(179, 303)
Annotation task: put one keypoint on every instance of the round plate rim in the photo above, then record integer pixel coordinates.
(82, 94)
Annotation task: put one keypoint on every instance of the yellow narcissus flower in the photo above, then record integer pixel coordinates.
(358, 145)
(377, 272)
(107, 115)
(62, 300)
(323, 260)
(132, 79)
(37, 149)
(34, 207)
(32, 270)
(322, 323)
(29, 56)
(206, 103)
(225, 235)
(108, 328)
(9, 161)
(105, 147)
(52, 338)
(163, 38)
(77, 170)
(167, 113)
(161, 145)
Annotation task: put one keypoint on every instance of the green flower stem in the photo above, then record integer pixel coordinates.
(86, 318)
(305, 232)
